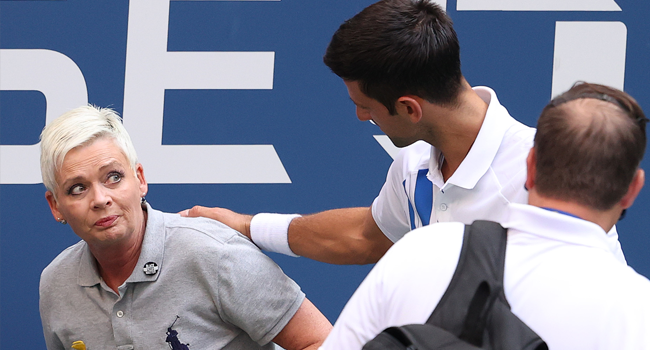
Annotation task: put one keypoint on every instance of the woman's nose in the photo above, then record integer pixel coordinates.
(101, 197)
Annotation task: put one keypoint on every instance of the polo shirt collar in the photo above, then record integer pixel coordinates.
(153, 248)
(485, 147)
(88, 273)
(556, 226)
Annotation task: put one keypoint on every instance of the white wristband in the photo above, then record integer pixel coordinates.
(270, 232)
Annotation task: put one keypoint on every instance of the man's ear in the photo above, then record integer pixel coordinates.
(410, 106)
(139, 174)
(633, 190)
(53, 206)
(530, 169)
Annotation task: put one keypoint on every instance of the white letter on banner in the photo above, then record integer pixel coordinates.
(589, 51)
(64, 87)
(537, 5)
(150, 69)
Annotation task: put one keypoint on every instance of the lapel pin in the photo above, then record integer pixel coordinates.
(150, 268)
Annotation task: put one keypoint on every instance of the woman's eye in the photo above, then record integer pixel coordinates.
(76, 190)
(115, 178)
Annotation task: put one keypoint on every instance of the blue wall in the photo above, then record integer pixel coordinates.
(331, 159)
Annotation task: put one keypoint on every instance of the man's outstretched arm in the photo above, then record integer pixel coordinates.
(338, 236)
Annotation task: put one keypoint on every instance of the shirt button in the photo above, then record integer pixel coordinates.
(443, 206)
(120, 314)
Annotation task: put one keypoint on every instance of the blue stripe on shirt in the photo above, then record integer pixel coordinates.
(423, 196)
(411, 213)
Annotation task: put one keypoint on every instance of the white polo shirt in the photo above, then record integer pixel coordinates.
(491, 176)
(562, 278)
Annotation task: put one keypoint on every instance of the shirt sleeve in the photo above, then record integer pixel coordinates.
(389, 208)
(254, 293)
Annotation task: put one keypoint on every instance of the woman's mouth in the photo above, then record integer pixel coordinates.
(107, 221)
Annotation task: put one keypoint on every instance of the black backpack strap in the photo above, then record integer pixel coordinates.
(473, 313)
(487, 322)
(477, 282)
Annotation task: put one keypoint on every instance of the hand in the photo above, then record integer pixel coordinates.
(238, 222)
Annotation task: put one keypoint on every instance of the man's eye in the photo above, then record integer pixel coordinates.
(76, 190)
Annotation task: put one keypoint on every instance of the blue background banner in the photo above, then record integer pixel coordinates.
(270, 90)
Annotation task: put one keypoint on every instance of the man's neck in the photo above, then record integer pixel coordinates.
(454, 130)
(605, 219)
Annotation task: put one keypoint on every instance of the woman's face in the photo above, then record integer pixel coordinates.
(98, 194)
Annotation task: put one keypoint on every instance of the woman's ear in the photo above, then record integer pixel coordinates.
(139, 174)
(51, 200)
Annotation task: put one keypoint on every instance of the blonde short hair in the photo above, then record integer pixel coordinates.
(79, 127)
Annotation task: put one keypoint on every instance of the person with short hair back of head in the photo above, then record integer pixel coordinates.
(562, 277)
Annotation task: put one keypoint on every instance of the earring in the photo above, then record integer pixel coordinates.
(143, 201)
(62, 221)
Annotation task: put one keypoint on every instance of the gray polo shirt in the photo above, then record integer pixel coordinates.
(226, 293)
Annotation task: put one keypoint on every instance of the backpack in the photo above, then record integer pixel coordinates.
(473, 313)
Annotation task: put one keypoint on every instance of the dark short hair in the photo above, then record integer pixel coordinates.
(399, 47)
(589, 143)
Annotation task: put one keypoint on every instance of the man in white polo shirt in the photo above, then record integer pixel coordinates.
(463, 157)
(562, 276)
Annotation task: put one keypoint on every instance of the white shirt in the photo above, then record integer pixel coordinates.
(491, 176)
(562, 278)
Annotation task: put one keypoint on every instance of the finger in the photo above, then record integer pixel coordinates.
(196, 211)
(184, 213)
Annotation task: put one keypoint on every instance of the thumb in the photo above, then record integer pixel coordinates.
(194, 212)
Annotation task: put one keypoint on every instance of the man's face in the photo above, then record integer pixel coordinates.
(396, 127)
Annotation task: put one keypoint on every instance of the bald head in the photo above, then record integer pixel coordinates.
(589, 143)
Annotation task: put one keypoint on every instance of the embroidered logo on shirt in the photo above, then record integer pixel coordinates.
(172, 338)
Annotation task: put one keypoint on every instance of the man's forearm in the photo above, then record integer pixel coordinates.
(339, 236)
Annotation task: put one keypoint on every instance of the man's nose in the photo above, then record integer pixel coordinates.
(363, 114)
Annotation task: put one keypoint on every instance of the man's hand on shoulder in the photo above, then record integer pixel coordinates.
(238, 222)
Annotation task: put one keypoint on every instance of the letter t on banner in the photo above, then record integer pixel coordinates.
(589, 51)
(150, 69)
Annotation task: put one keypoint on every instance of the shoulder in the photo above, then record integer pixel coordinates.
(415, 154)
(517, 137)
(517, 140)
(632, 287)
(200, 232)
(509, 164)
(209, 242)
(411, 158)
(65, 264)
